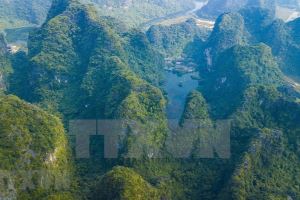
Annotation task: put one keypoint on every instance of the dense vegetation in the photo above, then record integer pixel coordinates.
(33, 148)
(175, 39)
(253, 26)
(16, 13)
(237, 69)
(124, 183)
(243, 82)
(266, 145)
(92, 55)
(82, 66)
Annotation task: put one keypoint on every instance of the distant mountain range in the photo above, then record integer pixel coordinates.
(18, 13)
(216, 7)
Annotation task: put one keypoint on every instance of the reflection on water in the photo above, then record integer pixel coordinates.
(177, 88)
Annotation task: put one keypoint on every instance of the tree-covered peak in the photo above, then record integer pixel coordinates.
(278, 36)
(294, 25)
(252, 59)
(196, 107)
(124, 183)
(83, 66)
(256, 20)
(171, 40)
(33, 147)
(236, 69)
(229, 31)
(244, 27)
(268, 158)
(57, 7)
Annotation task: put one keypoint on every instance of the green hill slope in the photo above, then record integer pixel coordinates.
(253, 26)
(237, 69)
(81, 66)
(18, 13)
(33, 148)
(173, 40)
(124, 183)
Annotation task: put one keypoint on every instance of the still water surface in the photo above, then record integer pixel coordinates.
(177, 94)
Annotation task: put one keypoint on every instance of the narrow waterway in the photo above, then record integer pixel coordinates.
(177, 88)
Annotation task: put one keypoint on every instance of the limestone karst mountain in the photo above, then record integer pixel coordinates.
(237, 135)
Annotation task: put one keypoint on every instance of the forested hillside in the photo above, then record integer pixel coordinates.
(243, 81)
(238, 134)
(19, 17)
(16, 13)
(253, 26)
(82, 67)
(33, 147)
(174, 39)
(87, 69)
